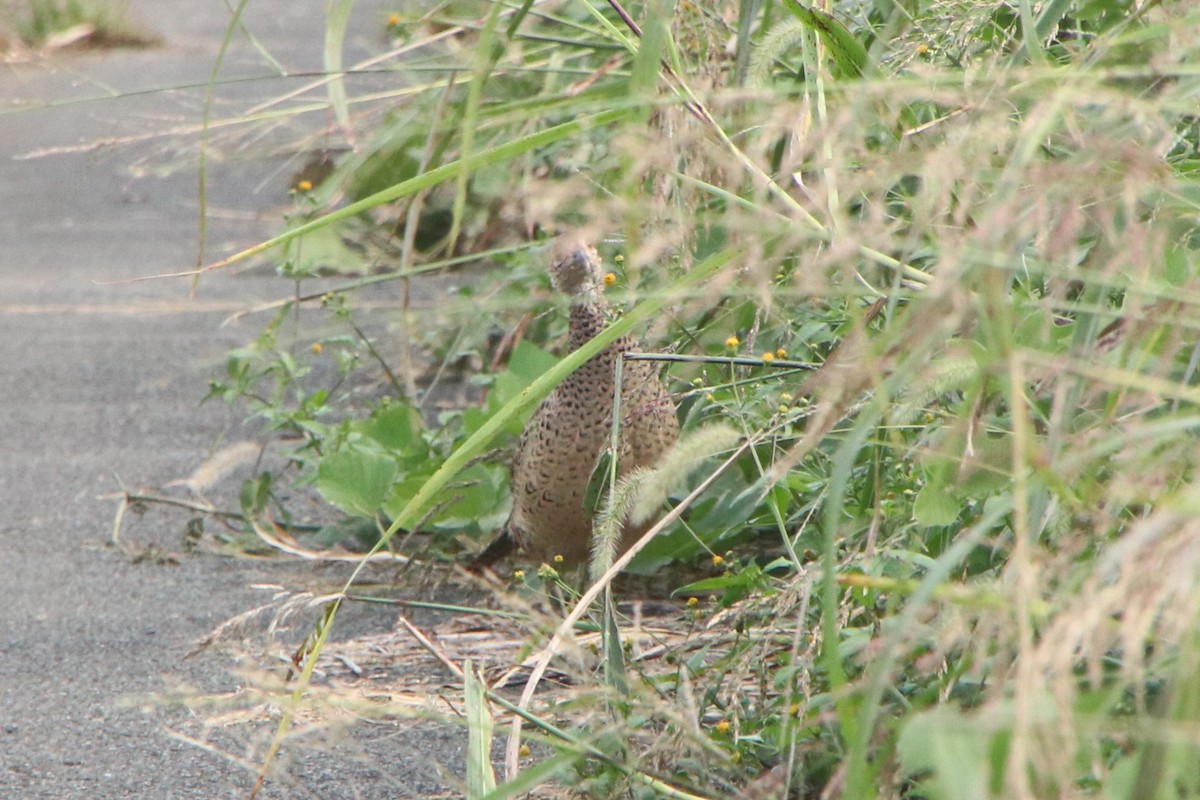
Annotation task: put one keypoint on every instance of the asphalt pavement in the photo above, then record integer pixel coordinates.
(100, 388)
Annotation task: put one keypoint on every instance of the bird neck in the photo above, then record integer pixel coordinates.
(587, 320)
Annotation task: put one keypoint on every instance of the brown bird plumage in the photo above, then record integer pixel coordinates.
(562, 442)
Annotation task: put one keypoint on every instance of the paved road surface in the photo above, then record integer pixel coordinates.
(100, 384)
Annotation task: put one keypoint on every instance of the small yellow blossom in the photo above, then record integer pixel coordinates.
(732, 342)
(393, 20)
(558, 559)
(768, 358)
(717, 560)
(304, 186)
(723, 726)
(783, 407)
(708, 396)
(794, 709)
(519, 574)
(317, 347)
(619, 258)
(786, 397)
(693, 602)
(780, 353)
(525, 751)
(922, 49)
(610, 278)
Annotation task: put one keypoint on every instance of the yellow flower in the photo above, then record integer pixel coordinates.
(610, 278)
(393, 20)
(768, 358)
(304, 186)
(519, 574)
(732, 342)
(558, 559)
(525, 751)
(693, 602)
(922, 49)
(786, 397)
(723, 726)
(620, 258)
(717, 560)
(317, 347)
(781, 353)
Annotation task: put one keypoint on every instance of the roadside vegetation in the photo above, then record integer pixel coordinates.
(54, 24)
(940, 261)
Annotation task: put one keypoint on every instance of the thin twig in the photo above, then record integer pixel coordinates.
(433, 649)
(276, 540)
(740, 361)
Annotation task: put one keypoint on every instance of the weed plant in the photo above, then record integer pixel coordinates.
(958, 557)
(100, 23)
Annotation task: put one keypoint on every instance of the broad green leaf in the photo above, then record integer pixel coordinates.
(953, 748)
(398, 426)
(356, 481)
(321, 251)
(527, 363)
(935, 506)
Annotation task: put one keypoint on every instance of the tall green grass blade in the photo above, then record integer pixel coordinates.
(747, 11)
(847, 51)
(486, 56)
(539, 774)
(337, 20)
(614, 655)
(1029, 34)
(481, 777)
(202, 154)
(647, 63)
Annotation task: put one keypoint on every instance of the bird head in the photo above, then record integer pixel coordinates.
(575, 267)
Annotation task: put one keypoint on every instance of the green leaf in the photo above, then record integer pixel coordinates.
(320, 251)
(951, 746)
(527, 363)
(398, 426)
(935, 506)
(256, 494)
(356, 481)
(598, 484)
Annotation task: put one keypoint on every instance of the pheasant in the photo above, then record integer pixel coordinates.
(566, 435)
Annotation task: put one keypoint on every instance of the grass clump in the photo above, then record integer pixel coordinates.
(954, 557)
(98, 23)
